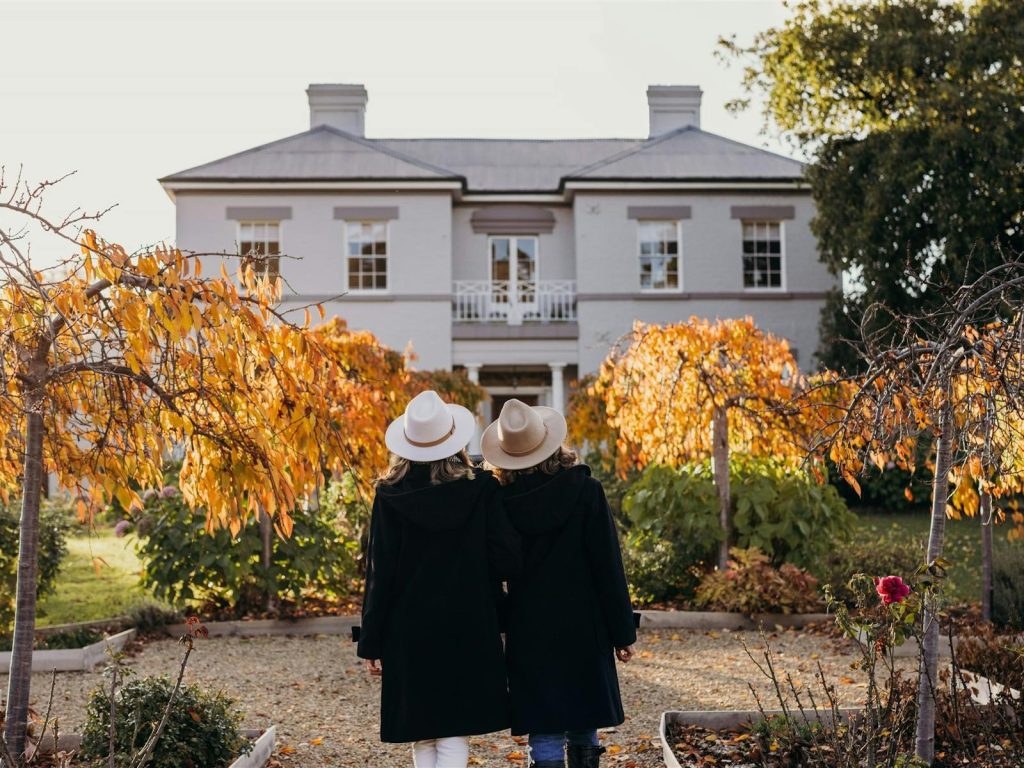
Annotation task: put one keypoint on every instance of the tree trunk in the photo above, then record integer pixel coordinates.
(929, 663)
(267, 535)
(720, 470)
(985, 513)
(20, 681)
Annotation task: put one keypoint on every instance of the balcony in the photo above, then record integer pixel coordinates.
(502, 301)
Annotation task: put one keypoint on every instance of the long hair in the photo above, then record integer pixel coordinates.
(563, 458)
(455, 467)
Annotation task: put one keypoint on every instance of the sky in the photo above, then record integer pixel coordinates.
(125, 92)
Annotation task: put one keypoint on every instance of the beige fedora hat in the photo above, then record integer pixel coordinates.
(522, 436)
(430, 429)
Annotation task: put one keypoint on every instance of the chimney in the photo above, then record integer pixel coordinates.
(673, 106)
(337, 105)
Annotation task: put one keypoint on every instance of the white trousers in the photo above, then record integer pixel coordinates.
(452, 752)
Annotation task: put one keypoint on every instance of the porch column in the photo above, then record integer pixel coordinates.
(557, 386)
(473, 374)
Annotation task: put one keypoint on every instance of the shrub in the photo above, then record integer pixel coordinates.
(148, 617)
(885, 490)
(751, 584)
(53, 528)
(892, 552)
(1008, 586)
(202, 728)
(185, 562)
(674, 532)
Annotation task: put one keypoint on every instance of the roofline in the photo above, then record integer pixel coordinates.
(795, 184)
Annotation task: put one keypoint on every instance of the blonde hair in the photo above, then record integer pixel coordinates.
(563, 458)
(455, 467)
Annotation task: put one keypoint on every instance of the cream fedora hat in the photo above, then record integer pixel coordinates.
(522, 436)
(430, 429)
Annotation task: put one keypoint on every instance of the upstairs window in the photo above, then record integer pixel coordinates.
(367, 244)
(762, 254)
(659, 255)
(259, 244)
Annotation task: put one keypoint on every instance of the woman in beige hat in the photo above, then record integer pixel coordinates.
(437, 554)
(570, 614)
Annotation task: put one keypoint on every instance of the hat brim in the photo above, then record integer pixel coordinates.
(490, 445)
(398, 443)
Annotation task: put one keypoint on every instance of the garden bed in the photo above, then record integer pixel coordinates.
(72, 659)
(720, 731)
(319, 625)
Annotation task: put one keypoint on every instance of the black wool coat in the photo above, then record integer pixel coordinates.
(436, 558)
(569, 609)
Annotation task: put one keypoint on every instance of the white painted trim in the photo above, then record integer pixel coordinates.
(617, 185)
(270, 184)
(540, 197)
(679, 257)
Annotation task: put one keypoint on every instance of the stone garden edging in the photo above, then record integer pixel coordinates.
(703, 620)
(342, 625)
(73, 659)
(319, 625)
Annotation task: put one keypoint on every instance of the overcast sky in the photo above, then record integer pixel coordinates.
(126, 92)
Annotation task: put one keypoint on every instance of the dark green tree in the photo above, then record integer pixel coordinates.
(910, 112)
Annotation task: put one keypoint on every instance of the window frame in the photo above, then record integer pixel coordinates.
(782, 286)
(387, 257)
(264, 222)
(638, 255)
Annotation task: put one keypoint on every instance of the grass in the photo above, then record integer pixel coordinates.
(962, 547)
(98, 579)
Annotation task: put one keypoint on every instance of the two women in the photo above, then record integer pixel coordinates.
(443, 538)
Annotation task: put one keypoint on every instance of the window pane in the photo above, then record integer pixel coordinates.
(381, 282)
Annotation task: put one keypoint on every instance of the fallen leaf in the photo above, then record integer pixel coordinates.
(516, 755)
(317, 741)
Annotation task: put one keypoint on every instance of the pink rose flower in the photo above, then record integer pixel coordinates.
(892, 589)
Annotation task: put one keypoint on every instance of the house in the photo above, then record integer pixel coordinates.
(521, 261)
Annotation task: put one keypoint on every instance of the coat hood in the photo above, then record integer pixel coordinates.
(441, 507)
(538, 503)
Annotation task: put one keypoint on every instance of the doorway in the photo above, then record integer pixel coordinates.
(498, 402)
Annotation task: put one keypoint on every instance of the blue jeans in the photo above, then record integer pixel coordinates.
(551, 746)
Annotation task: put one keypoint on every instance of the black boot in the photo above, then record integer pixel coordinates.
(581, 756)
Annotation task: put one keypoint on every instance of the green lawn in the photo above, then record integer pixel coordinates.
(962, 547)
(98, 579)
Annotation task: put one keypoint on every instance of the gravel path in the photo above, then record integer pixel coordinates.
(325, 705)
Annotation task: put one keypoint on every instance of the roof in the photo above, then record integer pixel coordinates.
(497, 165)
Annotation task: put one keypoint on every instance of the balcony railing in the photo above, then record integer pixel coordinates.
(498, 301)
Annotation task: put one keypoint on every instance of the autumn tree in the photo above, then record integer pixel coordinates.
(957, 376)
(108, 359)
(909, 113)
(702, 389)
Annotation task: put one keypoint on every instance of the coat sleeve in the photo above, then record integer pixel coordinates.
(602, 543)
(381, 563)
(504, 544)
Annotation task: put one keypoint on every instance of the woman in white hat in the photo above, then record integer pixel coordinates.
(570, 614)
(437, 554)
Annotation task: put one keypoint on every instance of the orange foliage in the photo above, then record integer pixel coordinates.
(129, 356)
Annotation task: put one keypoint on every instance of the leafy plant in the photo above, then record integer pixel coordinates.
(53, 528)
(184, 561)
(891, 551)
(149, 617)
(189, 726)
(1008, 586)
(751, 584)
(72, 638)
(674, 527)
